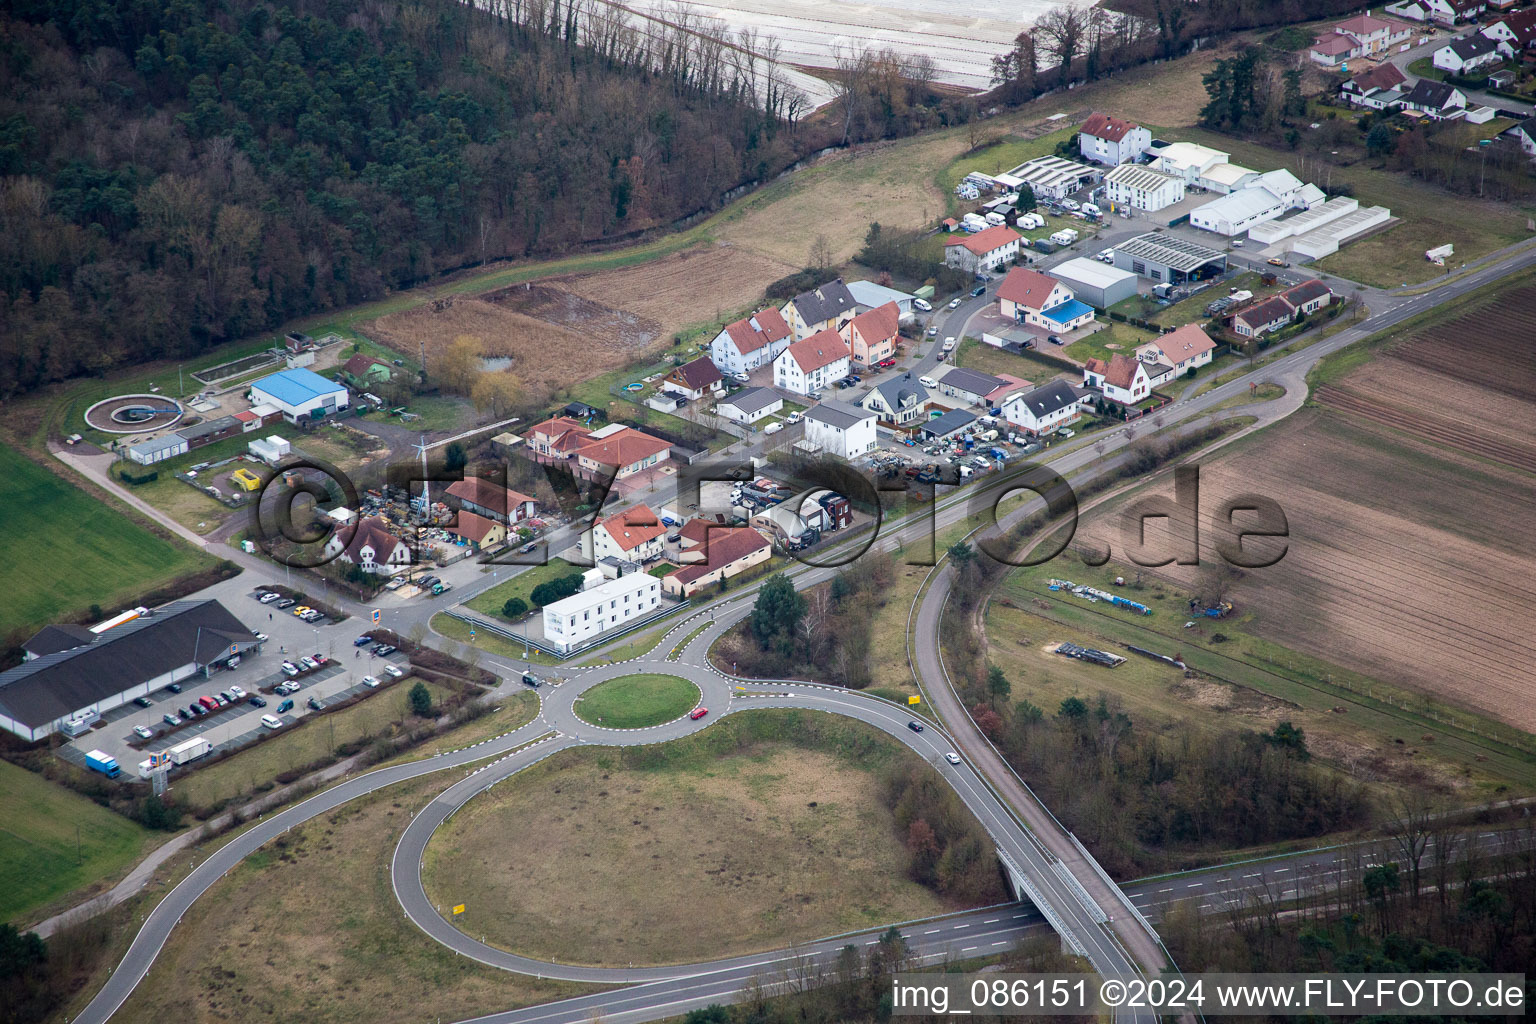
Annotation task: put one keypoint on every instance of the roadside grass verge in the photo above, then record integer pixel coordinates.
(490, 602)
(637, 702)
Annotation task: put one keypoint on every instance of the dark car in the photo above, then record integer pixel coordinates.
(286, 705)
(314, 704)
(915, 726)
(197, 709)
(978, 291)
(174, 687)
(258, 702)
(362, 641)
(144, 702)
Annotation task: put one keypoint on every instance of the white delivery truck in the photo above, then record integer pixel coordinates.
(191, 750)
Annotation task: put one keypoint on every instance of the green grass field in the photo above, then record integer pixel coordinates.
(1117, 338)
(491, 601)
(64, 550)
(53, 841)
(638, 701)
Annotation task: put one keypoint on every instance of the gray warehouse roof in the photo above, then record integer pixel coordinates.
(1169, 251)
(57, 685)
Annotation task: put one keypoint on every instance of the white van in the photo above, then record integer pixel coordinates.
(928, 382)
(773, 428)
(1091, 209)
(271, 721)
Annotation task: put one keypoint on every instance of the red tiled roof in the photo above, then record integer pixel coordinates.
(820, 349)
(1121, 371)
(875, 324)
(983, 242)
(1364, 25)
(623, 448)
(1027, 287)
(764, 327)
(487, 494)
(1095, 365)
(1334, 44)
(372, 532)
(697, 375)
(633, 527)
(473, 527)
(1306, 292)
(1103, 126)
(725, 547)
(1187, 342)
(564, 433)
(359, 365)
(1383, 76)
(1267, 312)
(246, 416)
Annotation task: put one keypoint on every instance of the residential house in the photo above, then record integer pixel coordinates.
(1262, 317)
(557, 438)
(364, 371)
(982, 252)
(820, 309)
(1333, 50)
(634, 535)
(371, 547)
(750, 342)
(969, 385)
(1308, 297)
(1124, 379)
(493, 500)
(871, 335)
(1435, 100)
(1142, 188)
(1466, 54)
(750, 405)
(1440, 12)
(1045, 408)
(619, 451)
(1524, 134)
(810, 365)
(1109, 140)
(728, 552)
(1367, 35)
(1030, 297)
(846, 431)
(1185, 349)
(694, 380)
(1377, 89)
(899, 401)
(1515, 32)
(480, 533)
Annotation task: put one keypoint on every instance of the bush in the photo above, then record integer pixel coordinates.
(556, 589)
(514, 609)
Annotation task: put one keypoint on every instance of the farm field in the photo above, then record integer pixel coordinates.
(54, 841)
(319, 936)
(1405, 563)
(767, 829)
(66, 550)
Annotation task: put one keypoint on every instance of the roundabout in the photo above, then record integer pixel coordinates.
(640, 701)
(133, 414)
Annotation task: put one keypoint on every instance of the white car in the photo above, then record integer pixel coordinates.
(271, 721)
(370, 681)
(928, 382)
(1107, 256)
(395, 671)
(261, 637)
(141, 732)
(955, 303)
(237, 693)
(290, 669)
(922, 305)
(952, 757)
(741, 378)
(933, 332)
(773, 428)
(268, 597)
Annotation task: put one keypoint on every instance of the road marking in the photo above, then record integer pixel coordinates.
(930, 931)
(1193, 885)
(967, 949)
(992, 920)
(959, 926)
(1165, 890)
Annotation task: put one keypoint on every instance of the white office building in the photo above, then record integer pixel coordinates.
(601, 608)
(1142, 188)
(841, 429)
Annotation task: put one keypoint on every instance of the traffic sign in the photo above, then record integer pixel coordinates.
(914, 699)
(458, 910)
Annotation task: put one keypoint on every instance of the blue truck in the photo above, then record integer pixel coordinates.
(101, 761)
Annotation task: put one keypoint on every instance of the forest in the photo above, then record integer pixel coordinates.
(173, 175)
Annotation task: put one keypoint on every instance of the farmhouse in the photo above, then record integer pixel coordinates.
(1435, 100)
(898, 401)
(728, 552)
(634, 535)
(371, 547)
(300, 394)
(1109, 140)
(480, 533)
(1465, 55)
(750, 405)
(750, 342)
(839, 429)
(871, 335)
(1168, 258)
(599, 609)
(1262, 317)
(1185, 349)
(1124, 379)
(74, 672)
(1142, 188)
(492, 500)
(1045, 408)
(621, 451)
(812, 364)
(1377, 89)
(983, 251)
(820, 309)
(1098, 284)
(693, 380)
(1030, 297)
(557, 438)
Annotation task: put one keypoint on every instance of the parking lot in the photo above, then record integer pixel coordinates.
(234, 726)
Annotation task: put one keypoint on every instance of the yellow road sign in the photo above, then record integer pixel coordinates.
(914, 699)
(458, 910)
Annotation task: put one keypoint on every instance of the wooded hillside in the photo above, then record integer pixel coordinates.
(174, 174)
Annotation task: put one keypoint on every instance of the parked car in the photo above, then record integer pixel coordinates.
(978, 291)
(312, 616)
(955, 303)
(793, 418)
(933, 332)
(362, 641)
(286, 705)
(1276, 261)
(143, 702)
(290, 669)
(385, 650)
(370, 681)
(320, 659)
(698, 713)
(885, 364)
(225, 697)
(741, 378)
(928, 382)
(196, 709)
(221, 699)
(257, 702)
(237, 693)
(309, 664)
(267, 597)
(171, 719)
(395, 671)
(922, 305)
(271, 721)
(314, 704)
(286, 602)
(261, 637)
(174, 688)
(774, 428)
(142, 732)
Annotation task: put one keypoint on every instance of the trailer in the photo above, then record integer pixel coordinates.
(191, 750)
(101, 761)
(1090, 655)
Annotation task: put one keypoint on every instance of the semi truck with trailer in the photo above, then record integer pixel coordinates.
(191, 750)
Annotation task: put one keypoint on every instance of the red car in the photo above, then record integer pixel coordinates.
(886, 364)
(320, 659)
(698, 713)
(209, 703)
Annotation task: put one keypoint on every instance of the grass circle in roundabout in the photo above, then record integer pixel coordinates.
(638, 701)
